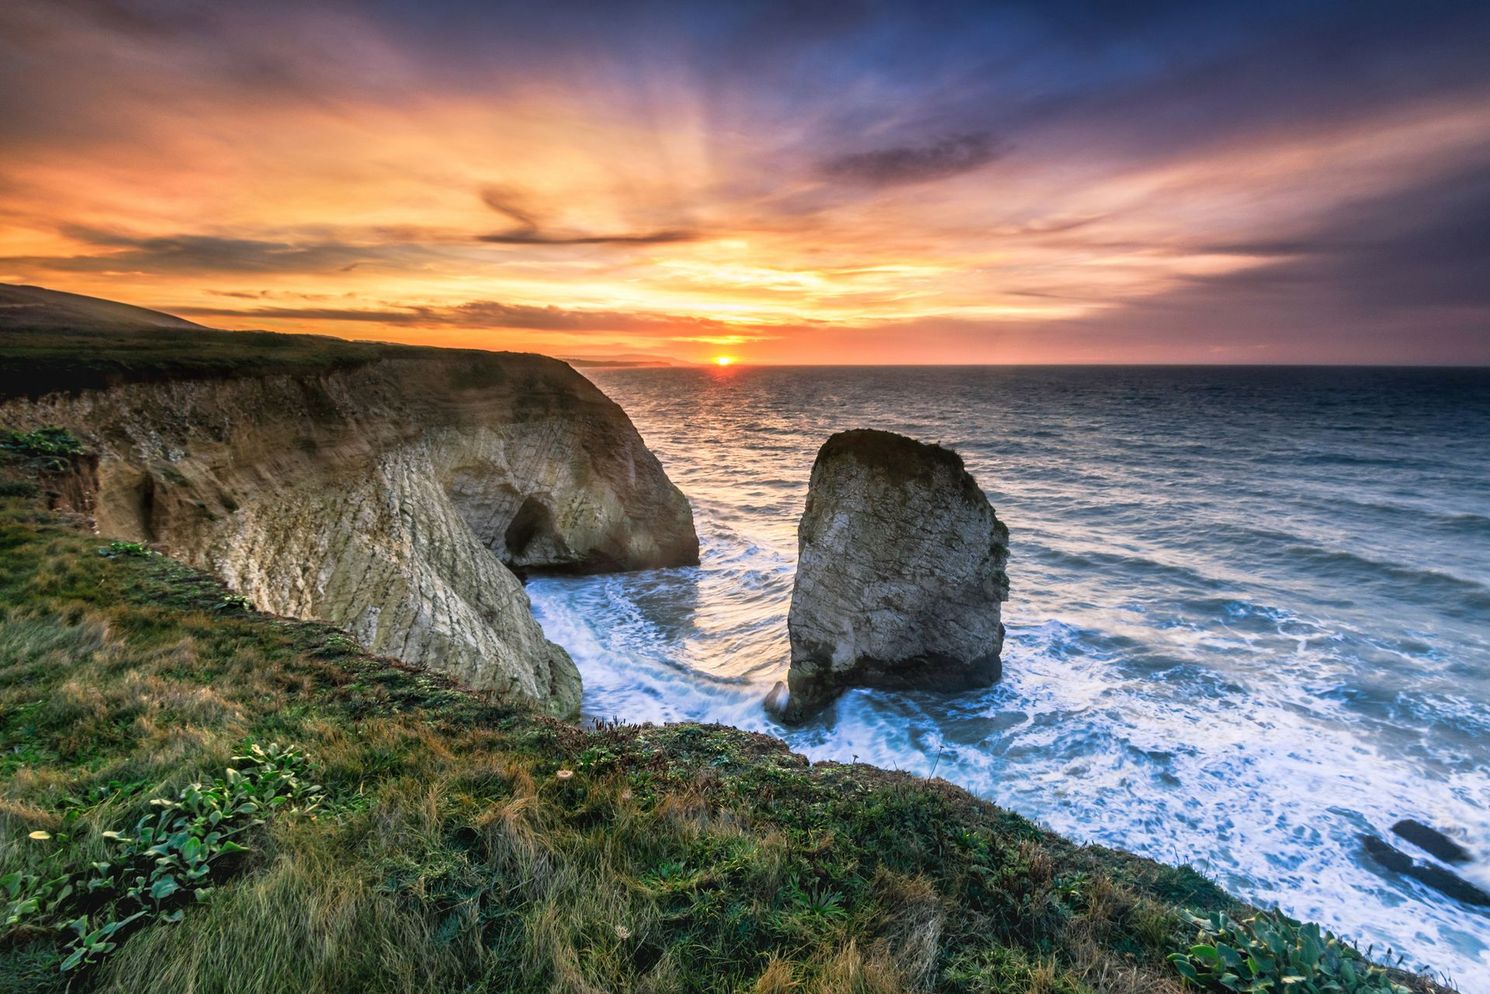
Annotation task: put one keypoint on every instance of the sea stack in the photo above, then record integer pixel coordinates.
(900, 574)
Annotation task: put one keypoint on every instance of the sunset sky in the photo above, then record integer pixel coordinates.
(796, 182)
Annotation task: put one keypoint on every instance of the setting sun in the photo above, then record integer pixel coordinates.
(723, 360)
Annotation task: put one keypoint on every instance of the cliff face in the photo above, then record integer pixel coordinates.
(386, 499)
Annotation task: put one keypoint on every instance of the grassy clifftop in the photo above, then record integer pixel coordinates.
(38, 361)
(52, 341)
(452, 845)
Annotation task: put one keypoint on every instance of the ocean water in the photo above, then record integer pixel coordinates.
(1249, 617)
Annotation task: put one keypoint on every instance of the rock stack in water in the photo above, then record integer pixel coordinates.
(900, 574)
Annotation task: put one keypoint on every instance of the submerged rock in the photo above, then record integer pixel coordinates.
(1391, 858)
(1431, 841)
(776, 700)
(900, 574)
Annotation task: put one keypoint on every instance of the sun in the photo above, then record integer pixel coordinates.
(723, 360)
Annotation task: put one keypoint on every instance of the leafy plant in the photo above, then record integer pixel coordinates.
(337, 643)
(1268, 954)
(26, 897)
(45, 449)
(114, 549)
(170, 859)
(92, 944)
(42, 442)
(816, 900)
(597, 758)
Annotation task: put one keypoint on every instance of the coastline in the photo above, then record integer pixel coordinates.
(130, 675)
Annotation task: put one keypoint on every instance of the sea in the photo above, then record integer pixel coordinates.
(1249, 618)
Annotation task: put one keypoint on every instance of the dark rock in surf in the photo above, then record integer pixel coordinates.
(1431, 841)
(1448, 884)
(900, 574)
(776, 700)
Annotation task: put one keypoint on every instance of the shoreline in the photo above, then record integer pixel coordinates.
(716, 779)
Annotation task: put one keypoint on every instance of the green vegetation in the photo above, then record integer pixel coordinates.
(45, 449)
(169, 859)
(42, 442)
(125, 549)
(452, 843)
(1269, 953)
(34, 362)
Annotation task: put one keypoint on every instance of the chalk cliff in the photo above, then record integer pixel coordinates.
(900, 574)
(389, 498)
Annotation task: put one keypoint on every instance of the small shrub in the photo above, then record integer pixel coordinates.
(18, 488)
(1268, 953)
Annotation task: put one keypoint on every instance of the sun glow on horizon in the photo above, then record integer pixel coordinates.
(724, 360)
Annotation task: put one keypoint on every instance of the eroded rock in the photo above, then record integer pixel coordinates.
(900, 573)
(386, 498)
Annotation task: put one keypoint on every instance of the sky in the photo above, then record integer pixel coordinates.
(838, 182)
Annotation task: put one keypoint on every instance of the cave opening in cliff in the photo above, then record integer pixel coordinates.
(533, 521)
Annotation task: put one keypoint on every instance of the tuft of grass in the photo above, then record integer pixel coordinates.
(468, 846)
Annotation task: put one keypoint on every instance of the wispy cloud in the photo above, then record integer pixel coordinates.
(941, 158)
(492, 314)
(116, 252)
(661, 237)
(338, 314)
(527, 231)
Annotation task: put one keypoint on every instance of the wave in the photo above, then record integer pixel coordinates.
(1395, 460)
(1412, 581)
(1409, 514)
(1463, 524)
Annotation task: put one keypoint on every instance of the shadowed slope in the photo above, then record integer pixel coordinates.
(38, 307)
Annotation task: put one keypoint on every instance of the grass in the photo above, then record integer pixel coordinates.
(462, 846)
(39, 361)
